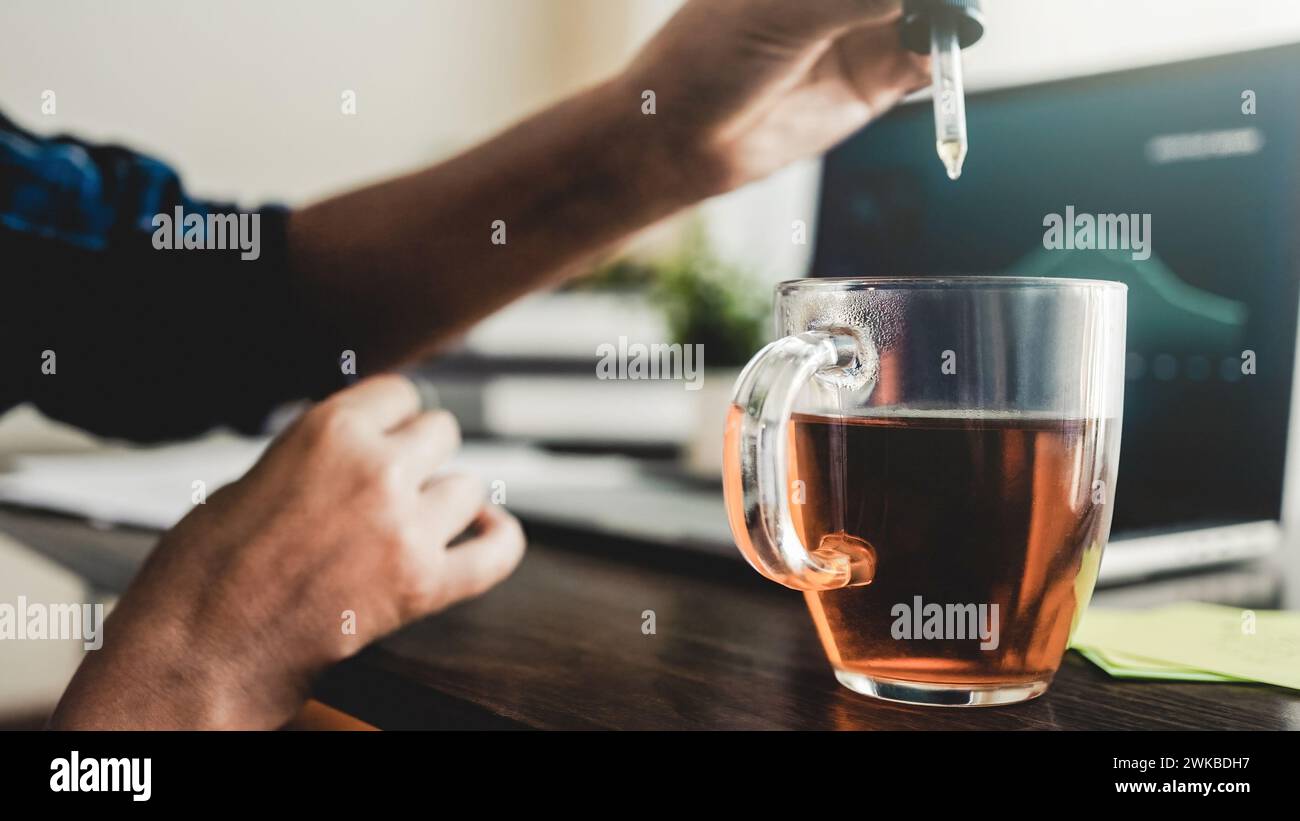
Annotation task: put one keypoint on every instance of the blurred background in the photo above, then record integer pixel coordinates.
(243, 98)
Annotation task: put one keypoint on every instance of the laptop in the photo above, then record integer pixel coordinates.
(1212, 310)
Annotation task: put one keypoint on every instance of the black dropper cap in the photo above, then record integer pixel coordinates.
(918, 15)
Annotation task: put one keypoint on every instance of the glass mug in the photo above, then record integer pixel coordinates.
(932, 462)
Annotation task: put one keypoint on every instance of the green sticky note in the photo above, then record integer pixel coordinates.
(1123, 665)
(1254, 645)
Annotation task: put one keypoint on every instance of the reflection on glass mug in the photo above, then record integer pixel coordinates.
(932, 462)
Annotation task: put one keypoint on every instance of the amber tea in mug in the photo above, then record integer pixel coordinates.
(932, 463)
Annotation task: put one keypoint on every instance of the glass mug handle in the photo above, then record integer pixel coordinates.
(757, 475)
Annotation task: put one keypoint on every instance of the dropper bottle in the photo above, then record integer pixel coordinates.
(942, 28)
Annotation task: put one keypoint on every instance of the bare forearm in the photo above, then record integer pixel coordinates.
(743, 87)
(400, 266)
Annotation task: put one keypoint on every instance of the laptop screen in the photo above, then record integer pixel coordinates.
(1201, 160)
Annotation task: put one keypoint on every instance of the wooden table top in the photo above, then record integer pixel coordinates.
(560, 646)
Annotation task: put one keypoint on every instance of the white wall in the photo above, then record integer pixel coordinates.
(244, 95)
(1045, 39)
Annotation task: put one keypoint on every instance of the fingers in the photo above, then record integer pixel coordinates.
(425, 442)
(453, 503)
(876, 66)
(477, 564)
(386, 401)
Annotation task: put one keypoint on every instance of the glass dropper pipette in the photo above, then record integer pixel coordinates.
(942, 28)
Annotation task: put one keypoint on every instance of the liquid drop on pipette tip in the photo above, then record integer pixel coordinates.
(953, 154)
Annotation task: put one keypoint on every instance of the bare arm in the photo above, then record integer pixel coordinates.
(406, 263)
(742, 87)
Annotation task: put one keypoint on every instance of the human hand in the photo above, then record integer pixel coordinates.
(744, 87)
(244, 601)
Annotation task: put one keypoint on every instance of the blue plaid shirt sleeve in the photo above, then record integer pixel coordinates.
(102, 329)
